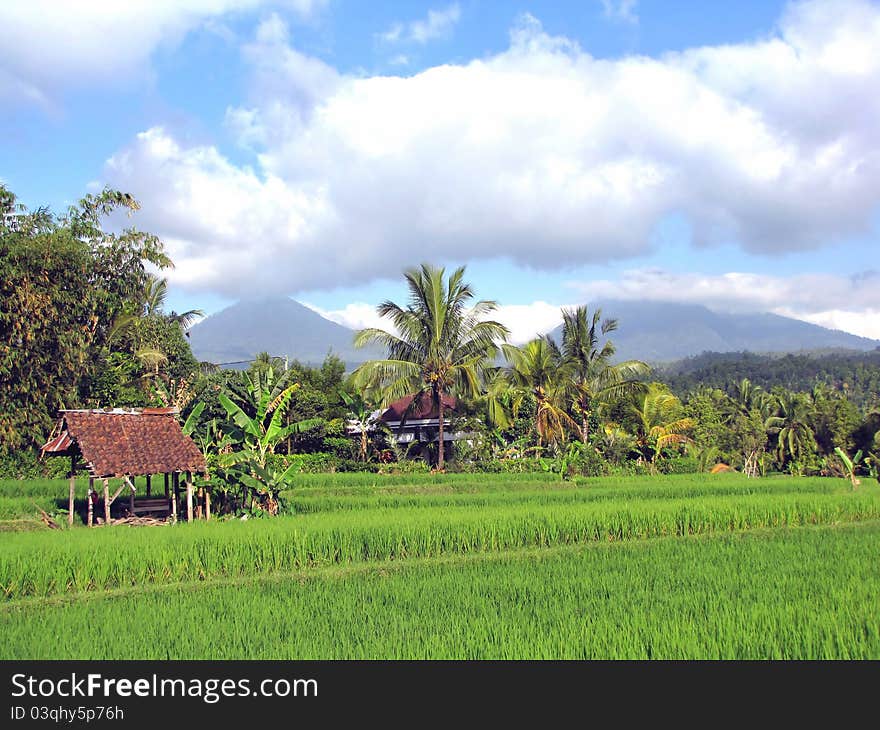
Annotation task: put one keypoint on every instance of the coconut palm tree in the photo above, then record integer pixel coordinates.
(591, 375)
(746, 412)
(441, 345)
(790, 423)
(153, 304)
(536, 368)
(659, 420)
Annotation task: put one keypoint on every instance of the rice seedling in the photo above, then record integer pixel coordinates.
(46, 564)
(786, 593)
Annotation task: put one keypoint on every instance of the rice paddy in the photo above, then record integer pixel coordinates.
(467, 566)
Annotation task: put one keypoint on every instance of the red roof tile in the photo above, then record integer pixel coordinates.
(423, 410)
(114, 444)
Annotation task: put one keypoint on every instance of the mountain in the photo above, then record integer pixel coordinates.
(651, 331)
(279, 326)
(659, 332)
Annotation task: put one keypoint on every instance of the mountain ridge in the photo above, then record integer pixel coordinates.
(663, 332)
(658, 333)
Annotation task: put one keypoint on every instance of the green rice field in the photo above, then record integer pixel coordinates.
(462, 566)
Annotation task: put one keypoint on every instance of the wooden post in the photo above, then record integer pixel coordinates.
(106, 501)
(168, 497)
(149, 485)
(207, 504)
(90, 502)
(175, 484)
(131, 495)
(72, 490)
(189, 497)
(200, 501)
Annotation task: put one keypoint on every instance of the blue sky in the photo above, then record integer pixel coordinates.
(722, 153)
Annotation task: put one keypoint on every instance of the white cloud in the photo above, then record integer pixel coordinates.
(49, 45)
(812, 298)
(622, 11)
(849, 303)
(525, 321)
(437, 24)
(541, 154)
(356, 316)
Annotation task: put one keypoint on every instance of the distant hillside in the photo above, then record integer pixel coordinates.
(279, 326)
(857, 374)
(662, 332)
(657, 333)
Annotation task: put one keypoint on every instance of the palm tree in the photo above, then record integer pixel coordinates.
(588, 365)
(659, 420)
(790, 423)
(536, 368)
(442, 343)
(746, 412)
(153, 304)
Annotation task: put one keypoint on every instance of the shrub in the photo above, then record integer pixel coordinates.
(27, 464)
(679, 465)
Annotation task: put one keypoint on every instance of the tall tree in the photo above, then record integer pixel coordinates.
(536, 368)
(587, 362)
(790, 424)
(660, 420)
(441, 345)
(63, 282)
(154, 296)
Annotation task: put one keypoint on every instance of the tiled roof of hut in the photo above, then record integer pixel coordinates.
(118, 443)
(423, 410)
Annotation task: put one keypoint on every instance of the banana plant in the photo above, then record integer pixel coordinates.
(257, 436)
(192, 420)
(850, 465)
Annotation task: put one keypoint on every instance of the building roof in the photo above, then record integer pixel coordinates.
(118, 443)
(423, 411)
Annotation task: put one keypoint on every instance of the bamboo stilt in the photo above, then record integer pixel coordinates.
(149, 485)
(90, 502)
(168, 497)
(175, 483)
(106, 501)
(189, 497)
(72, 490)
(207, 505)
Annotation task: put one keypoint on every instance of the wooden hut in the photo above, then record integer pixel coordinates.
(122, 444)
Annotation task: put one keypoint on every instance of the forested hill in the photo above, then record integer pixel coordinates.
(665, 333)
(855, 373)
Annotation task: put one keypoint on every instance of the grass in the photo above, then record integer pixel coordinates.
(806, 593)
(84, 560)
(470, 566)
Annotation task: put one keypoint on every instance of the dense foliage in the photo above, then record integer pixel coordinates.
(83, 324)
(855, 375)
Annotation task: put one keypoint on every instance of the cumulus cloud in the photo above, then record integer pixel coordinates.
(525, 321)
(815, 298)
(356, 316)
(48, 44)
(540, 153)
(437, 24)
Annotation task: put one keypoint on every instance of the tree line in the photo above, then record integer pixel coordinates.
(84, 324)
